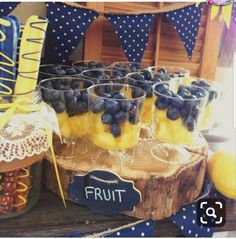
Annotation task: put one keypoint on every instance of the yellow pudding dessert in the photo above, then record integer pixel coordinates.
(147, 111)
(177, 115)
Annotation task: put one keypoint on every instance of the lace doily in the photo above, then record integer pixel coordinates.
(25, 134)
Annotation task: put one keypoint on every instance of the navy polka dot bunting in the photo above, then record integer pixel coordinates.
(69, 25)
(133, 32)
(186, 21)
(7, 7)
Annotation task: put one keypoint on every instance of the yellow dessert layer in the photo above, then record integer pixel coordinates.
(73, 127)
(147, 110)
(101, 136)
(172, 131)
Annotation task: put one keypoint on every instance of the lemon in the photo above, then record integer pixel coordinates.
(221, 169)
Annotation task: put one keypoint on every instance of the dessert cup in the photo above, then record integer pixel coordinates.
(178, 112)
(104, 75)
(114, 118)
(168, 73)
(53, 70)
(210, 113)
(68, 96)
(23, 143)
(126, 67)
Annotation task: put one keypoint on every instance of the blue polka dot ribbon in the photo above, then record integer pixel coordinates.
(7, 7)
(133, 32)
(69, 25)
(186, 21)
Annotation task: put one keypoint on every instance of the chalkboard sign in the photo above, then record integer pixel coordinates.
(104, 192)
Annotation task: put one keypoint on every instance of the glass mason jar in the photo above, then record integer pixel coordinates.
(167, 73)
(114, 115)
(210, 113)
(87, 65)
(102, 76)
(23, 143)
(55, 70)
(126, 67)
(178, 112)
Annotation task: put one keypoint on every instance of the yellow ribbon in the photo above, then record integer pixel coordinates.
(24, 105)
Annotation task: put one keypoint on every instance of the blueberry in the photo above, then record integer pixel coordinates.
(136, 93)
(120, 117)
(84, 95)
(77, 94)
(107, 118)
(196, 83)
(189, 122)
(132, 82)
(59, 106)
(112, 106)
(148, 91)
(162, 70)
(71, 106)
(195, 112)
(173, 113)
(74, 84)
(50, 95)
(125, 106)
(199, 94)
(156, 79)
(204, 84)
(70, 71)
(117, 95)
(147, 75)
(162, 88)
(92, 64)
(184, 93)
(82, 107)
(97, 105)
(69, 95)
(162, 103)
(59, 72)
(177, 101)
(115, 130)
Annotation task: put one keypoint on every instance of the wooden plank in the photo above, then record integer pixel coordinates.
(158, 34)
(93, 38)
(211, 47)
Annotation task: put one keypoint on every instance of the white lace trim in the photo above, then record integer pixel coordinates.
(25, 134)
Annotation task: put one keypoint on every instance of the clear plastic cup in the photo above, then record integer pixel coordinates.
(114, 115)
(102, 76)
(167, 73)
(178, 112)
(126, 67)
(210, 113)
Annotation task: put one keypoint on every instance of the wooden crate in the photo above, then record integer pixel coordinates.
(164, 46)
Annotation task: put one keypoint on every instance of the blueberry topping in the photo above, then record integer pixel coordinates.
(59, 106)
(177, 101)
(147, 75)
(117, 95)
(189, 122)
(82, 107)
(120, 117)
(112, 106)
(107, 118)
(173, 113)
(84, 95)
(162, 71)
(71, 106)
(69, 95)
(162, 103)
(97, 105)
(115, 130)
(125, 106)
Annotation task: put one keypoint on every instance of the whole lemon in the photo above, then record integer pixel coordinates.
(221, 169)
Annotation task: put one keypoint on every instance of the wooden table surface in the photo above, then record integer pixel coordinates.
(50, 218)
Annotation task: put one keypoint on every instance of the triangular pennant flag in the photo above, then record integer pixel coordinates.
(133, 32)
(186, 21)
(7, 7)
(234, 13)
(69, 25)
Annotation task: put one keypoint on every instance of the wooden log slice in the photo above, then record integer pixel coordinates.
(167, 176)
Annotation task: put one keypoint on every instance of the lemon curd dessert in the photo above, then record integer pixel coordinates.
(68, 96)
(114, 122)
(178, 112)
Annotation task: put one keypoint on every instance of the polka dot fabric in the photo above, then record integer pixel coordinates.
(69, 25)
(7, 7)
(133, 32)
(144, 229)
(186, 21)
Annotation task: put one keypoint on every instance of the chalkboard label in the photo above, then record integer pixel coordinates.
(104, 192)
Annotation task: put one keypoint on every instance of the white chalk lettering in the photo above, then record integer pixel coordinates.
(88, 192)
(97, 193)
(119, 193)
(105, 196)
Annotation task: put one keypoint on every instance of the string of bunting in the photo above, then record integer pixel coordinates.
(70, 21)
